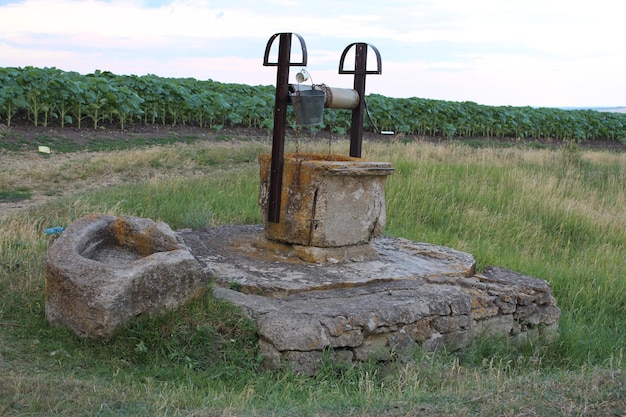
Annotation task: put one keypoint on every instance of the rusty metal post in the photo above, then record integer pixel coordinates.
(356, 130)
(360, 71)
(280, 120)
(280, 116)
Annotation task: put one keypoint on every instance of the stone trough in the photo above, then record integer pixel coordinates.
(104, 270)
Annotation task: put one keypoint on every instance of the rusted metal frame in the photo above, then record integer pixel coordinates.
(378, 69)
(280, 116)
(360, 71)
(356, 129)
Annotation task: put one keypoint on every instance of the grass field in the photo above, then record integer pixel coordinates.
(557, 214)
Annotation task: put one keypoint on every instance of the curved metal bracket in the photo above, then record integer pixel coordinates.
(378, 70)
(360, 73)
(268, 47)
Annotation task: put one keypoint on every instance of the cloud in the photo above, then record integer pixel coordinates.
(492, 52)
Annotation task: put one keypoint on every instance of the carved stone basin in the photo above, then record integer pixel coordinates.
(118, 242)
(104, 270)
(327, 200)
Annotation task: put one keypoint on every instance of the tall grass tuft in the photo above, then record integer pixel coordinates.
(228, 196)
(539, 212)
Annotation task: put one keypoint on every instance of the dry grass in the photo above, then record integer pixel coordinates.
(58, 175)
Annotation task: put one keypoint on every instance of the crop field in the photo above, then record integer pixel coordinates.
(556, 213)
(51, 97)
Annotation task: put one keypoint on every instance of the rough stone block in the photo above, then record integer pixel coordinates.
(326, 200)
(104, 270)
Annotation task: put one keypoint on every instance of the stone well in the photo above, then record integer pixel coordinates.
(104, 270)
(326, 200)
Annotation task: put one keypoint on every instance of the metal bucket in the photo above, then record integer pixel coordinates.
(309, 106)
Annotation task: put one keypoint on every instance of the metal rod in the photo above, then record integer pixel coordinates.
(280, 120)
(360, 69)
(313, 221)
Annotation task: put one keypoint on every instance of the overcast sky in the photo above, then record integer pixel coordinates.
(498, 52)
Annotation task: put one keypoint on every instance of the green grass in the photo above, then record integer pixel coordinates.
(538, 213)
(227, 197)
(554, 214)
(9, 195)
(60, 143)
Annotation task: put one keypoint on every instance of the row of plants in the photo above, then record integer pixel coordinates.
(50, 96)
(469, 119)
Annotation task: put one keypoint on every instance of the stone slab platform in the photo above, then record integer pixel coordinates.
(414, 294)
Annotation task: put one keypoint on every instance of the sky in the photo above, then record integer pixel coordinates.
(544, 53)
